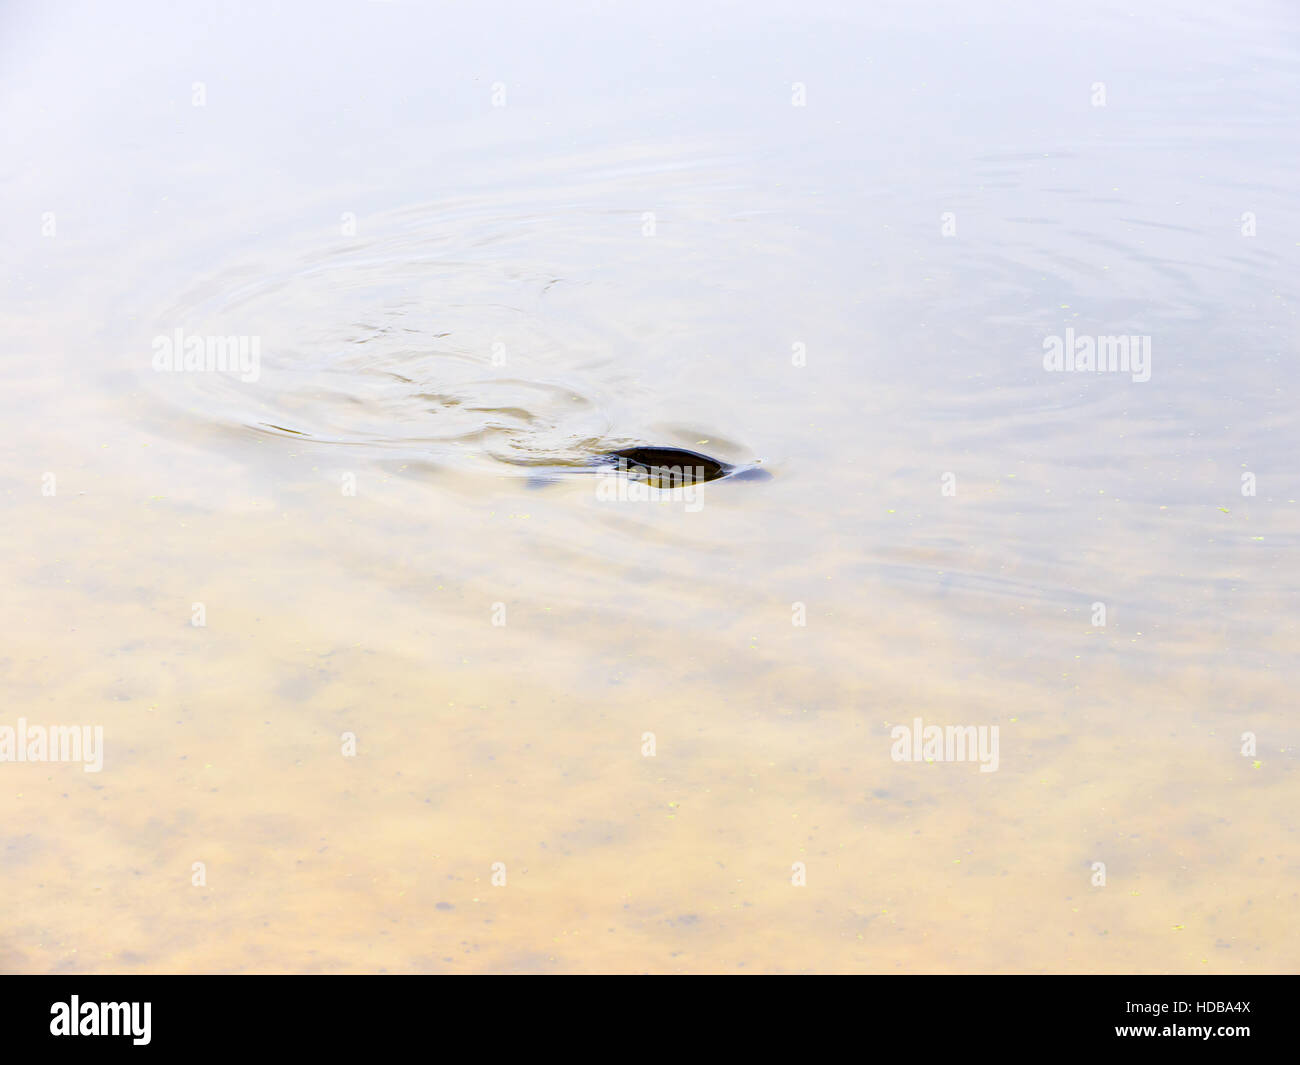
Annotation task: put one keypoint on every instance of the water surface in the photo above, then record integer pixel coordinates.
(473, 244)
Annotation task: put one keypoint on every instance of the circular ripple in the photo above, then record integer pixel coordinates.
(439, 331)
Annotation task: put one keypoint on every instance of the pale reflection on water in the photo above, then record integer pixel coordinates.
(697, 264)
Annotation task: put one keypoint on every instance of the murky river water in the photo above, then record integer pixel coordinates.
(376, 696)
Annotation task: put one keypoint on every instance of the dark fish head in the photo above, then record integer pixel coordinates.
(667, 466)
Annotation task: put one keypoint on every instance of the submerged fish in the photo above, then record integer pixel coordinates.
(676, 464)
(665, 467)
